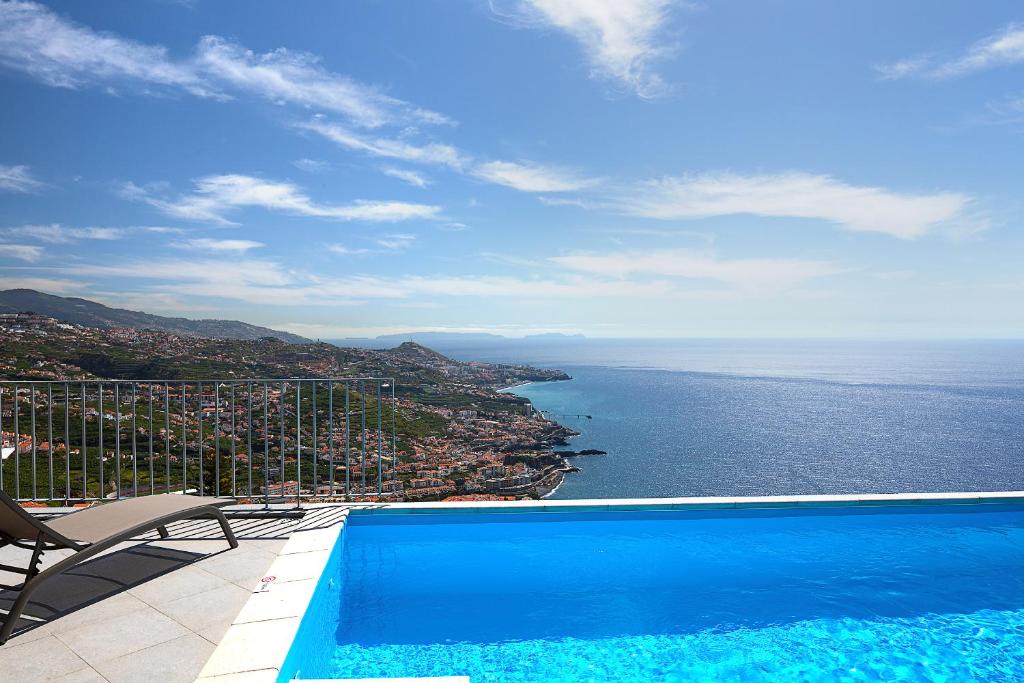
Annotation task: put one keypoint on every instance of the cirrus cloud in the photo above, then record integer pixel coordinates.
(532, 177)
(63, 53)
(752, 275)
(18, 179)
(1003, 48)
(217, 195)
(795, 195)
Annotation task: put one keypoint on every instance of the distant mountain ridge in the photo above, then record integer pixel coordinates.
(435, 337)
(93, 314)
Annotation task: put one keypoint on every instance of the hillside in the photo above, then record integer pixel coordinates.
(92, 314)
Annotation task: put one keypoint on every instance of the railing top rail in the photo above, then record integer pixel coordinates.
(197, 381)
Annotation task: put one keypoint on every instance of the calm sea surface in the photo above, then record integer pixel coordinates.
(726, 417)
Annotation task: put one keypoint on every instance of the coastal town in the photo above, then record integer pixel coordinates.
(456, 436)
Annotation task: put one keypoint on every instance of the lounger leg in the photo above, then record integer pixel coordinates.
(162, 530)
(228, 533)
(37, 557)
(12, 617)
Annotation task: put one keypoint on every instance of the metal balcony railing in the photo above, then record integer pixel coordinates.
(260, 440)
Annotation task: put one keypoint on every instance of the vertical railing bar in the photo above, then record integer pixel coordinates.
(102, 491)
(216, 438)
(199, 420)
(330, 433)
(152, 433)
(394, 432)
(1, 436)
(362, 436)
(84, 448)
(234, 486)
(184, 440)
(280, 412)
(49, 434)
(316, 453)
(380, 442)
(117, 439)
(266, 445)
(248, 438)
(135, 442)
(348, 448)
(298, 444)
(167, 436)
(67, 441)
(32, 423)
(17, 445)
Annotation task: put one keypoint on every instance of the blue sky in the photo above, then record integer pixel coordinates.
(652, 168)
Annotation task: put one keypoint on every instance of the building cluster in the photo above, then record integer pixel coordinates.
(457, 436)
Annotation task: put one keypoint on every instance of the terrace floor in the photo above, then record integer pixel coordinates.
(150, 609)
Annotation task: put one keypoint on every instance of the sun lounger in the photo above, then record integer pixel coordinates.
(90, 532)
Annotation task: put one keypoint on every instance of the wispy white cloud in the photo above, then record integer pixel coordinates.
(217, 195)
(266, 282)
(523, 176)
(43, 284)
(902, 68)
(621, 40)
(342, 250)
(209, 244)
(23, 252)
(311, 165)
(18, 179)
(405, 175)
(62, 53)
(750, 275)
(56, 233)
(299, 78)
(388, 148)
(1003, 48)
(532, 177)
(796, 195)
(399, 241)
(336, 331)
(567, 201)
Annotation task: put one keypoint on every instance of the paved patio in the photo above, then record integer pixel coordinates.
(149, 610)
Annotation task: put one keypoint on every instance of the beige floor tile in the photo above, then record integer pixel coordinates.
(175, 661)
(251, 647)
(99, 612)
(81, 676)
(208, 609)
(261, 676)
(243, 566)
(177, 584)
(38, 660)
(299, 566)
(280, 601)
(122, 635)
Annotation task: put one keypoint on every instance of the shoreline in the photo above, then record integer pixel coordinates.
(520, 384)
(544, 488)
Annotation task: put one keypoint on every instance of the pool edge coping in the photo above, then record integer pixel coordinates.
(233, 661)
(696, 502)
(257, 642)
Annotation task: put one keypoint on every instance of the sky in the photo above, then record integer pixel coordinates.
(619, 169)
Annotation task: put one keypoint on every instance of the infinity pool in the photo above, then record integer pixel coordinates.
(929, 593)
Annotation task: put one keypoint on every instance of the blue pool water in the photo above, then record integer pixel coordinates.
(909, 593)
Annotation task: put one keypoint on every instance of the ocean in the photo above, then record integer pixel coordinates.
(775, 417)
